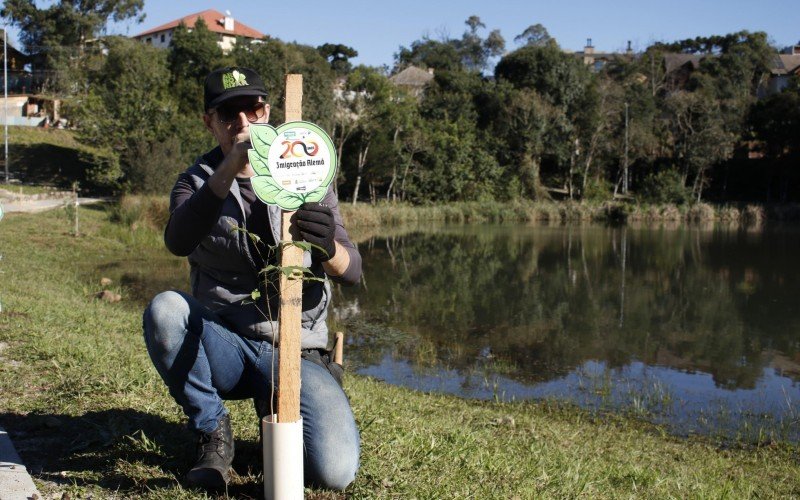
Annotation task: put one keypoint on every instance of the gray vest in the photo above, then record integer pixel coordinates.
(224, 275)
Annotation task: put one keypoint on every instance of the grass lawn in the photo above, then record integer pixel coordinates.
(91, 418)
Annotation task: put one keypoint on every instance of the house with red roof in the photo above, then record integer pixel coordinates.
(224, 26)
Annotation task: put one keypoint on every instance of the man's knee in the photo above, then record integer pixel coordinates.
(165, 321)
(336, 474)
(332, 436)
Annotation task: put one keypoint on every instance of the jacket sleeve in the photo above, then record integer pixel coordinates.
(193, 212)
(353, 273)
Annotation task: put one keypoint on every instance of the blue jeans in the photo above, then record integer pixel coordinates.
(202, 363)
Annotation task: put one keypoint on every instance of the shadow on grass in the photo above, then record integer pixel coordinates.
(49, 164)
(121, 450)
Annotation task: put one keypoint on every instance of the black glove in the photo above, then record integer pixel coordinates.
(317, 227)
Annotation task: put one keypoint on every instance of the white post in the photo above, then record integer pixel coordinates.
(5, 94)
(625, 173)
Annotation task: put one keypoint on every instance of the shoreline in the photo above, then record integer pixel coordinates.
(563, 212)
(153, 212)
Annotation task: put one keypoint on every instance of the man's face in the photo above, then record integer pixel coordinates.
(233, 117)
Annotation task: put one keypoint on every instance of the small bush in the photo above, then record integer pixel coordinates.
(753, 214)
(136, 212)
(597, 190)
(614, 211)
(728, 213)
(151, 167)
(701, 212)
(671, 212)
(665, 187)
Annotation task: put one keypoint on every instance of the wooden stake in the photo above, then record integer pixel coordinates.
(291, 290)
(338, 348)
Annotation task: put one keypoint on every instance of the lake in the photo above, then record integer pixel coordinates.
(695, 328)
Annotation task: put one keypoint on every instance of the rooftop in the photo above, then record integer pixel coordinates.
(784, 64)
(214, 19)
(412, 77)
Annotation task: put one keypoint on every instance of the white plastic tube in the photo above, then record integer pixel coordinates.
(283, 459)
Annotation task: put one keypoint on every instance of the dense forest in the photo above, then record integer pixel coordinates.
(679, 122)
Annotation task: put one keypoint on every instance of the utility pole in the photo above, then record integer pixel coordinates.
(625, 161)
(5, 95)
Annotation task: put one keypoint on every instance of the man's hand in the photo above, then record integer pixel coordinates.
(240, 144)
(317, 227)
(235, 164)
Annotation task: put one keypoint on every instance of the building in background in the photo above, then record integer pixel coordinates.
(227, 29)
(25, 106)
(20, 78)
(413, 78)
(784, 67)
(598, 60)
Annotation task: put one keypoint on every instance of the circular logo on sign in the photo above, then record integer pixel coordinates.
(300, 162)
(294, 163)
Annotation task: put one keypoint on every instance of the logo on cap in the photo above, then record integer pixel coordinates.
(233, 79)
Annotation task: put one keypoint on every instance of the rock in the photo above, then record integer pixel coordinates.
(105, 281)
(108, 296)
(506, 420)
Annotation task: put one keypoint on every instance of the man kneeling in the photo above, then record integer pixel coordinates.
(217, 343)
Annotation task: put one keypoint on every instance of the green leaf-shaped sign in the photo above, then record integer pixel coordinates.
(294, 163)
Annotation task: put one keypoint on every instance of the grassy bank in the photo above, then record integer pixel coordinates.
(383, 214)
(152, 211)
(91, 417)
(50, 157)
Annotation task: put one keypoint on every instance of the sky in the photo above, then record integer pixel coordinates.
(377, 29)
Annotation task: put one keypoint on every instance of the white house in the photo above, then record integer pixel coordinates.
(224, 26)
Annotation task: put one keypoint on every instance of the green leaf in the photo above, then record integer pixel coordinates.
(288, 200)
(266, 189)
(268, 269)
(258, 163)
(317, 194)
(261, 137)
(255, 294)
(303, 245)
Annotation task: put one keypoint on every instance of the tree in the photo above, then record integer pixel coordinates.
(453, 164)
(535, 35)
(338, 55)
(550, 84)
(368, 100)
(470, 52)
(429, 53)
(60, 34)
(476, 52)
(402, 117)
(192, 55)
(776, 123)
(452, 96)
(520, 124)
(699, 137)
(67, 22)
(557, 76)
(129, 109)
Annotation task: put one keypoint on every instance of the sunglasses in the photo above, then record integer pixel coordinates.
(230, 113)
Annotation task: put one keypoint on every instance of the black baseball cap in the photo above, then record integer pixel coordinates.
(225, 83)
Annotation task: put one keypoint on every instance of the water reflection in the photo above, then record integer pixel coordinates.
(691, 326)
